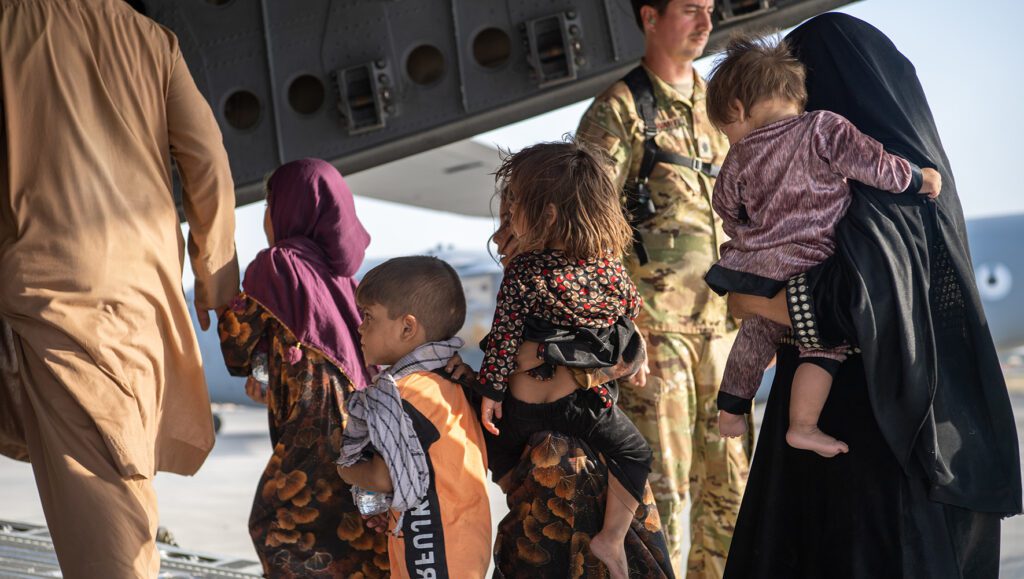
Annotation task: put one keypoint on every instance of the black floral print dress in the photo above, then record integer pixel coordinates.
(547, 292)
(556, 502)
(303, 522)
(547, 285)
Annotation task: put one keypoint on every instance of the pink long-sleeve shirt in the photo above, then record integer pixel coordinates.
(790, 177)
(782, 190)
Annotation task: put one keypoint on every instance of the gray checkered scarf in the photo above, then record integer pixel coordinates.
(377, 420)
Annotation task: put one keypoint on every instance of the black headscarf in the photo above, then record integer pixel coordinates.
(901, 272)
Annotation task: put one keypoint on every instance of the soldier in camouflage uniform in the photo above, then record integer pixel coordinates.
(688, 329)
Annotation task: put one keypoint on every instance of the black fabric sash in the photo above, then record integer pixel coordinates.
(939, 396)
(584, 347)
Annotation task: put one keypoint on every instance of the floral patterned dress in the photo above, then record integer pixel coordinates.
(303, 522)
(548, 285)
(556, 502)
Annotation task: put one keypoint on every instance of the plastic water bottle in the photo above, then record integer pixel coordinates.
(370, 502)
(259, 369)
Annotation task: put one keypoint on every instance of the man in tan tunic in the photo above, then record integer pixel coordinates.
(102, 383)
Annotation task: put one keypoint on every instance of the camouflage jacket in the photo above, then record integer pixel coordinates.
(682, 239)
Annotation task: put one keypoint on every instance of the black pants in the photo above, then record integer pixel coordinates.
(583, 415)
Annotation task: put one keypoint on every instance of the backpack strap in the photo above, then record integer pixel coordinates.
(640, 86)
(639, 206)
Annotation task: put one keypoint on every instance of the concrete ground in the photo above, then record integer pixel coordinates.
(208, 512)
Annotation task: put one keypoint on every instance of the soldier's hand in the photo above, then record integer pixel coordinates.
(931, 183)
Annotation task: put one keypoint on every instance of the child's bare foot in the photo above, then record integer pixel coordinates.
(810, 438)
(611, 552)
(731, 425)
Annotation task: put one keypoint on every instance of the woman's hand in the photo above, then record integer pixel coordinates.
(931, 183)
(745, 306)
(459, 369)
(640, 378)
(505, 483)
(255, 391)
(489, 410)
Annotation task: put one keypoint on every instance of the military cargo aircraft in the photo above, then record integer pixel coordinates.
(364, 83)
(385, 89)
(392, 88)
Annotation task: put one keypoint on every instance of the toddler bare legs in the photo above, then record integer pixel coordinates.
(811, 386)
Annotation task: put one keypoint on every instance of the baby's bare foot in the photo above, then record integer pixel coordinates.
(731, 425)
(810, 438)
(612, 553)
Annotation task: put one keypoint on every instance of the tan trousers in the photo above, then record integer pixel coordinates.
(677, 412)
(103, 526)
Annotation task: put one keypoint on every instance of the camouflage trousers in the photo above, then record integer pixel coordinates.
(677, 413)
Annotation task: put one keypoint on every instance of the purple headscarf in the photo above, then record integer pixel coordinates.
(305, 278)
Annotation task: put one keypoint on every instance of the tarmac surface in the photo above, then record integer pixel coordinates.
(207, 513)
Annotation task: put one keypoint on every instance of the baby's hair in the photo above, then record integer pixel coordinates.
(752, 70)
(421, 285)
(574, 179)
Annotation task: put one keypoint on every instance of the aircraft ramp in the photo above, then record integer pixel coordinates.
(27, 551)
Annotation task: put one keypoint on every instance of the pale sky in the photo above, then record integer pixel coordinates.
(967, 57)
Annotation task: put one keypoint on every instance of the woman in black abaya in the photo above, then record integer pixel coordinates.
(933, 462)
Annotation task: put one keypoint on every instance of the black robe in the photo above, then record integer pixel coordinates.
(933, 459)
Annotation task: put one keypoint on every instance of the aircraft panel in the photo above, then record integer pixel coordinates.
(457, 178)
(362, 83)
(999, 271)
(223, 47)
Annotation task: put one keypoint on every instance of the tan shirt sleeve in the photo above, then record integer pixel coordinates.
(208, 190)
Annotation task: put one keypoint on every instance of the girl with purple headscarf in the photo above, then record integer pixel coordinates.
(297, 312)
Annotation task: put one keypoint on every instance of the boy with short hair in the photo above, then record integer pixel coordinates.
(413, 433)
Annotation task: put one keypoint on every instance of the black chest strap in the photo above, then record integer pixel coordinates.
(642, 89)
(639, 206)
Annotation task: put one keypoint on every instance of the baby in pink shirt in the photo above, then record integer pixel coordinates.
(781, 192)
